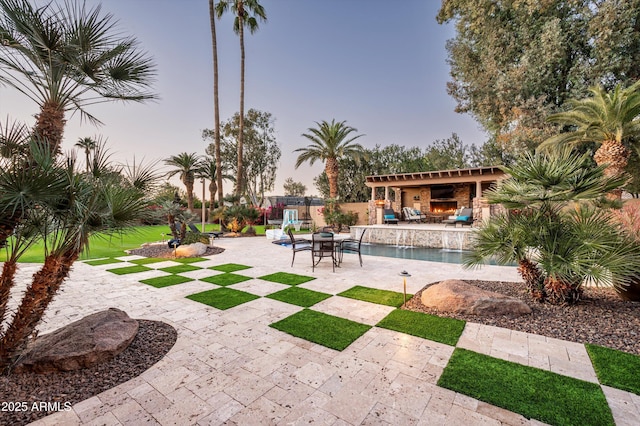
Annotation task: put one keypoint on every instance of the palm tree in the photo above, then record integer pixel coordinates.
(216, 107)
(67, 57)
(208, 170)
(63, 207)
(87, 144)
(608, 119)
(557, 248)
(186, 166)
(329, 142)
(245, 12)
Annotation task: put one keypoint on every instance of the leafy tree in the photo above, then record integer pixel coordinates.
(247, 13)
(557, 248)
(55, 202)
(216, 107)
(294, 189)
(489, 154)
(67, 57)
(450, 153)
(261, 154)
(330, 142)
(607, 119)
(515, 63)
(186, 165)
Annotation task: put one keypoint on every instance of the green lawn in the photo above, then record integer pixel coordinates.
(534, 393)
(106, 261)
(299, 296)
(615, 368)
(147, 260)
(225, 279)
(373, 295)
(223, 298)
(178, 269)
(166, 281)
(326, 330)
(286, 278)
(229, 267)
(438, 329)
(129, 270)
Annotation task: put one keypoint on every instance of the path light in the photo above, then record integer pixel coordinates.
(404, 275)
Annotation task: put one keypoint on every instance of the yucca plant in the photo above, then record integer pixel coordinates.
(554, 229)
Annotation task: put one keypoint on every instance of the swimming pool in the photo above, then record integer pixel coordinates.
(415, 253)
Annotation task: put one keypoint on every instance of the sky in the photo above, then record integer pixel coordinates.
(380, 68)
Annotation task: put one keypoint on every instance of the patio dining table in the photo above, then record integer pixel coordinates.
(319, 249)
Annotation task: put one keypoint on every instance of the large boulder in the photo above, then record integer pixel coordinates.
(81, 344)
(191, 250)
(461, 297)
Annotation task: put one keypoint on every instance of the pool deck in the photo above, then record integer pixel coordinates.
(230, 367)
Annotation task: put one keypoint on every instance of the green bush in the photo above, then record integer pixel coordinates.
(193, 237)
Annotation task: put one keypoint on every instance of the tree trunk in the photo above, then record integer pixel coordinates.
(50, 125)
(44, 286)
(212, 194)
(240, 177)
(188, 183)
(615, 156)
(561, 292)
(216, 107)
(6, 283)
(331, 169)
(532, 278)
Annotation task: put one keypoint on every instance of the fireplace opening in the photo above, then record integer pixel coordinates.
(443, 207)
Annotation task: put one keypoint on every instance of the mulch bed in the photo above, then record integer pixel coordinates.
(153, 341)
(162, 251)
(601, 317)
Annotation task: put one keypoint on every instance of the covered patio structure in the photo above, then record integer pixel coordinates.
(436, 194)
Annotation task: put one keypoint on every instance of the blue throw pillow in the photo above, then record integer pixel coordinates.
(389, 216)
(464, 218)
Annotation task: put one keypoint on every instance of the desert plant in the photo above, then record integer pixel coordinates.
(251, 217)
(554, 229)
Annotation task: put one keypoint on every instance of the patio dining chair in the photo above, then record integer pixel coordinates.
(323, 245)
(297, 244)
(352, 246)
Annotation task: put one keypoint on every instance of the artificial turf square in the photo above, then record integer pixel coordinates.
(179, 269)
(147, 260)
(538, 394)
(230, 267)
(225, 279)
(223, 298)
(374, 295)
(326, 330)
(615, 368)
(129, 270)
(438, 329)
(102, 261)
(286, 278)
(166, 281)
(189, 259)
(299, 296)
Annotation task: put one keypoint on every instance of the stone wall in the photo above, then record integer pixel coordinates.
(448, 238)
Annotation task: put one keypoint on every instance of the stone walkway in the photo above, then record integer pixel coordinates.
(230, 367)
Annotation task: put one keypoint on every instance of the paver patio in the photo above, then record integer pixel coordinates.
(230, 366)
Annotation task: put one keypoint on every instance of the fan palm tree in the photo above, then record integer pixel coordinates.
(245, 12)
(557, 248)
(208, 170)
(67, 57)
(87, 144)
(216, 107)
(186, 166)
(329, 142)
(58, 204)
(608, 119)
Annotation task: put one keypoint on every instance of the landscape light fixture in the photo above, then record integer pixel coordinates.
(404, 275)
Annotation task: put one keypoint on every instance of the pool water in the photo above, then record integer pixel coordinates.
(415, 253)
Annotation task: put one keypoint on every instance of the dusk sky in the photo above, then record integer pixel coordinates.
(381, 68)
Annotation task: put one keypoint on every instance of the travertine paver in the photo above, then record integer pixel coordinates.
(230, 366)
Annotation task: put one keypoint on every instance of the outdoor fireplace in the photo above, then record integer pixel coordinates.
(443, 206)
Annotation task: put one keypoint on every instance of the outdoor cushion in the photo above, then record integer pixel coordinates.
(389, 216)
(464, 218)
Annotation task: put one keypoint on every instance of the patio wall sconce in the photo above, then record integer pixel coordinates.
(404, 275)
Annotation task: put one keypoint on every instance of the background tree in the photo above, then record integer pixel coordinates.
(330, 142)
(514, 63)
(445, 154)
(294, 189)
(186, 165)
(247, 13)
(216, 107)
(66, 57)
(86, 144)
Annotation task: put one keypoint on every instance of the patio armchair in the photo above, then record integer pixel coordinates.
(411, 215)
(390, 217)
(215, 234)
(463, 216)
(297, 244)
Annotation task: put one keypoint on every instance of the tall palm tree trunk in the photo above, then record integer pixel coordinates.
(189, 185)
(212, 194)
(50, 125)
(46, 283)
(240, 177)
(216, 106)
(331, 169)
